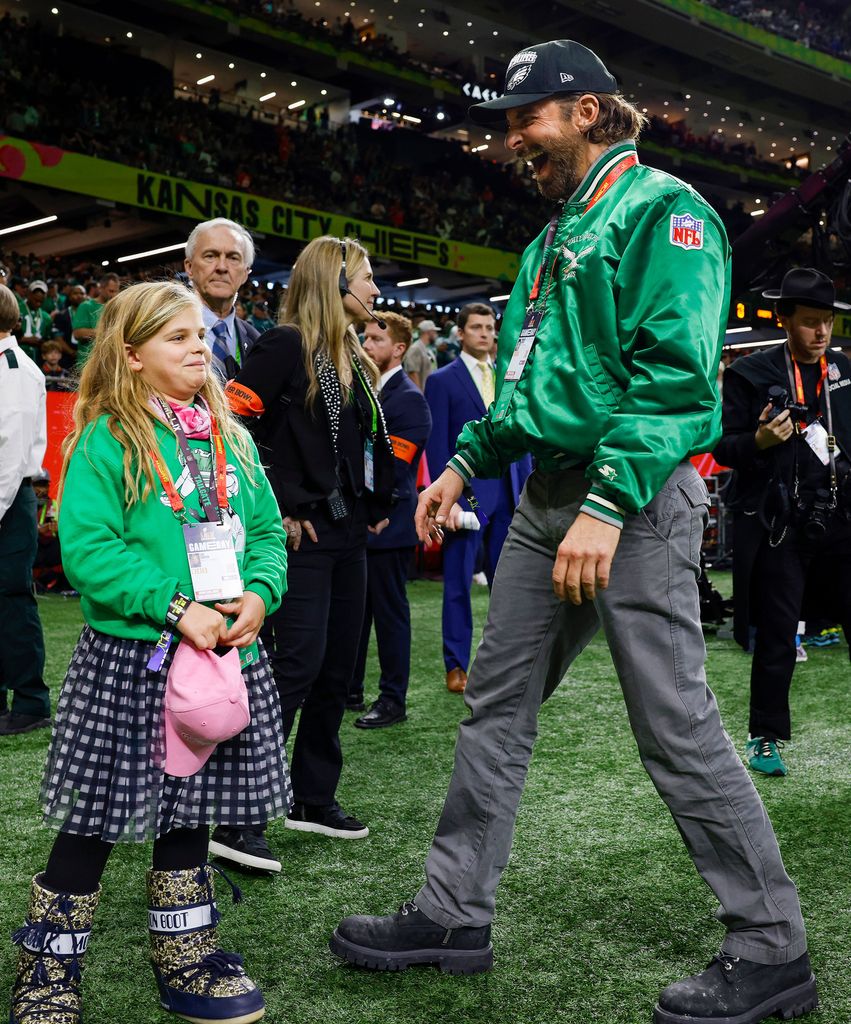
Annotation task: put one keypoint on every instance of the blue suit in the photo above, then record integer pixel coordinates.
(454, 400)
(388, 556)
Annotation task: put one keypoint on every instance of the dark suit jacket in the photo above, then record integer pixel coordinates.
(295, 440)
(454, 400)
(246, 335)
(408, 420)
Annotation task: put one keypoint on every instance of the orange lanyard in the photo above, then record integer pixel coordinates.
(799, 384)
(219, 470)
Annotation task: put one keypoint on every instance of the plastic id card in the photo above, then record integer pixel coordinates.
(212, 561)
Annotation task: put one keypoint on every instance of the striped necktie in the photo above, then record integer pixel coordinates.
(220, 350)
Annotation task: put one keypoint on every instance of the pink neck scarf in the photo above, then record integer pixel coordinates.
(195, 420)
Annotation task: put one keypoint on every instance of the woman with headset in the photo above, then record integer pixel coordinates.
(311, 392)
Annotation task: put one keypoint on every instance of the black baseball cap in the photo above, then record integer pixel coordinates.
(809, 287)
(545, 70)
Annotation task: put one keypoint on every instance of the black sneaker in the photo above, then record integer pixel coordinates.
(736, 991)
(12, 723)
(408, 937)
(330, 820)
(383, 712)
(245, 847)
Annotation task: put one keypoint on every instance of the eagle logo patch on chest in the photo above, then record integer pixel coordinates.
(574, 251)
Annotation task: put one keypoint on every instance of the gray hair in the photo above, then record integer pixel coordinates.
(222, 222)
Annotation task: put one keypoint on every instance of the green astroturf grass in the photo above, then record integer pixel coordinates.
(599, 907)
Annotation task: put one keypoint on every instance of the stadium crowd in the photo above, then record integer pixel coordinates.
(401, 178)
(823, 25)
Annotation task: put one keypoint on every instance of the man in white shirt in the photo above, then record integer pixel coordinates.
(23, 439)
(219, 254)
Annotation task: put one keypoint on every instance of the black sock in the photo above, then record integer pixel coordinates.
(181, 849)
(76, 863)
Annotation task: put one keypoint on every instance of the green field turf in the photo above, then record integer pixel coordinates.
(599, 908)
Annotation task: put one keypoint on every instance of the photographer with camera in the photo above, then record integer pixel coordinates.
(312, 392)
(787, 433)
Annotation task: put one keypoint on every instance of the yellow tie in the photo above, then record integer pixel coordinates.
(486, 386)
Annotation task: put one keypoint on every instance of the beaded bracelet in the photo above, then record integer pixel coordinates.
(177, 608)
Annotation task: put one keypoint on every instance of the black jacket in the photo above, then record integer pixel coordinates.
(295, 442)
(761, 476)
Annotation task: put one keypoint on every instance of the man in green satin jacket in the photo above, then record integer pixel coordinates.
(607, 365)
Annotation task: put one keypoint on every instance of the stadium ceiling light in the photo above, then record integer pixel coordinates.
(413, 281)
(29, 224)
(757, 213)
(54, 10)
(754, 344)
(262, 74)
(268, 96)
(479, 149)
(205, 79)
(499, 298)
(389, 101)
(412, 119)
(151, 252)
(197, 56)
(296, 105)
(323, 92)
(440, 115)
(231, 65)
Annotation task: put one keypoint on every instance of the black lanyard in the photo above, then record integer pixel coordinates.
(211, 513)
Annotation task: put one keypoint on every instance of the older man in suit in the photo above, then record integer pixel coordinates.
(457, 393)
(389, 552)
(219, 255)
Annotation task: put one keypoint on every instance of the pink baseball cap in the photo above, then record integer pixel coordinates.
(206, 703)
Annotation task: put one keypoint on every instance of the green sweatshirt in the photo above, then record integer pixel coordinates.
(622, 377)
(127, 563)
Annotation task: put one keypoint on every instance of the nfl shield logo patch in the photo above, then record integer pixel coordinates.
(686, 231)
(833, 371)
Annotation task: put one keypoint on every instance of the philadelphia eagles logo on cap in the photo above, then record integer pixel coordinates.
(520, 75)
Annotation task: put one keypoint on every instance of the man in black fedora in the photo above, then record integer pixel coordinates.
(787, 433)
(607, 374)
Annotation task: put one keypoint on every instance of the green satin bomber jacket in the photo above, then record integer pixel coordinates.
(623, 375)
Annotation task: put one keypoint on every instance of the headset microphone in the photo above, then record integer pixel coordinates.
(344, 288)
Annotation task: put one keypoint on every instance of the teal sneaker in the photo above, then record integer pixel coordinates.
(764, 756)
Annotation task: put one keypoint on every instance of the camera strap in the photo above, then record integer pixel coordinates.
(797, 385)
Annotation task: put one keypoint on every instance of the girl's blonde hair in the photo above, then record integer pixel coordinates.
(314, 306)
(108, 387)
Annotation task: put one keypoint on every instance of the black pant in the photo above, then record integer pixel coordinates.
(22, 649)
(780, 578)
(312, 642)
(387, 606)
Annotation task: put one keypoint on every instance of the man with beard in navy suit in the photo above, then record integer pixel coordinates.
(389, 552)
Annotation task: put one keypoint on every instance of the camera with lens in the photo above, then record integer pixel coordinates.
(779, 398)
(815, 519)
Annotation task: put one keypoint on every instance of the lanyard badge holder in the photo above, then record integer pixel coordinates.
(537, 307)
(213, 567)
(369, 441)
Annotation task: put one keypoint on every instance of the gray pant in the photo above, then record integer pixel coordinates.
(650, 615)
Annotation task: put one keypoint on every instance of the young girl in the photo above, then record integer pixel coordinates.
(154, 457)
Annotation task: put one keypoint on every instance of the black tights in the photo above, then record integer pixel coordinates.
(76, 863)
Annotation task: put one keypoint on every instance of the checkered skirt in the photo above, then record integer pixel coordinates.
(104, 775)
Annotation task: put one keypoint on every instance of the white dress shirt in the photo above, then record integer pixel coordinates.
(23, 421)
(386, 376)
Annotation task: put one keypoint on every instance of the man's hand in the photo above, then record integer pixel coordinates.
(435, 503)
(250, 611)
(295, 528)
(453, 520)
(203, 627)
(584, 559)
(773, 432)
(377, 529)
